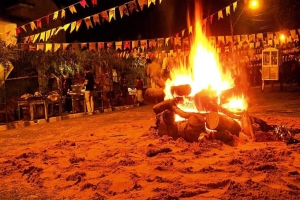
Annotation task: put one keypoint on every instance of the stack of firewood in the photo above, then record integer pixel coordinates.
(216, 123)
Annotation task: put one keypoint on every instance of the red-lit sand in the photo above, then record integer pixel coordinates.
(105, 157)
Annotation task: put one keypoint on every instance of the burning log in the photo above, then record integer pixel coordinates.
(219, 122)
(206, 100)
(165, 105)
(247, 126)
(154, 95)
(181, 90)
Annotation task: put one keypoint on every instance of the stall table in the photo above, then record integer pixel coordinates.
(32, 102)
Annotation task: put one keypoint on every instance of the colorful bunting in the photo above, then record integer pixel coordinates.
(63, 14)
(123, 10)
(151, 1)
(234, 6)
(47, 19)
(32, 25)
(88, 22)
(55, 15)
(39, 23)
(94, 2)
(96, 19)
(66, 26)
(132, 6)
(78, 23)
(83, 3)
(72, 9)
(48, 47)
(111, 13)
(104, 16)
(73, 26)
(227, 10)
(142, 3)
(56, 47)
(220, 14)
(42, 36)
(23, 27)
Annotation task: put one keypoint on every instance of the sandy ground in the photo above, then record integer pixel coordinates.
(106, 156)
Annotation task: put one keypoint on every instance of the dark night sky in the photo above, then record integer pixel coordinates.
(158, 21)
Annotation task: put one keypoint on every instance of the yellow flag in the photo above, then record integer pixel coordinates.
(55, 15)
(56, 46)
(32, 25)
(72, 9)
(36, 37)
(48, 47)
(42, 36)
(66, 26)
(63, 13)
(47, 35)
(73, 26)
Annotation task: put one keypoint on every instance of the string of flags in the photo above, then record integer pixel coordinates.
(175, 44)
(106, 15)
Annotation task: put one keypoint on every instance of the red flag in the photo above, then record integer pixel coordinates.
(47, 19)
(39, 23)
(211, 18)
(94, 2)
(83, 3)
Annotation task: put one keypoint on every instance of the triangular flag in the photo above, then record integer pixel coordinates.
(123, 10)
(104, 16)
(73, 26)
(52, 32)
(152, 43)
(36, 37)
(72, 9)
(227, 10)
(78, 23)
(39, 23)
(220, 14)
(109, 45)
(42, 36)
(144, 44)
(48, 47)
(96, 19)
(58, 29)
(30, 39)
(82, 45)
(47, 18)
(40, 47)
(160, 1)
(132, 6)
(100, 45)
(32, 25)
(56, 46)
(211, 17)
(112, 14)
(94, 2)
(135, 44)
(92, 46)
(66, 26)
(160, 42)
(23, 27)
(63, 14)
(126, 44)
(167, 41)
(88, 22)
(234, 6)
(32, 47)
(151, 1)
(47, 35)
(55, 15)
(119, 45)
(142, 3)
(65, 46)
(83, 3)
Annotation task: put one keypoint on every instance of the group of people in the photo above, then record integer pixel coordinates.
(63, 85)
(108, 89)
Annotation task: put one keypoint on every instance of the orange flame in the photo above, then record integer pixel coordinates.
(204, 70)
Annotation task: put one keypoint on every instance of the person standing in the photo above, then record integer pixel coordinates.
(139, 85)
(89, 88)
(108, 90)
(66, 83)
(154, 73)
